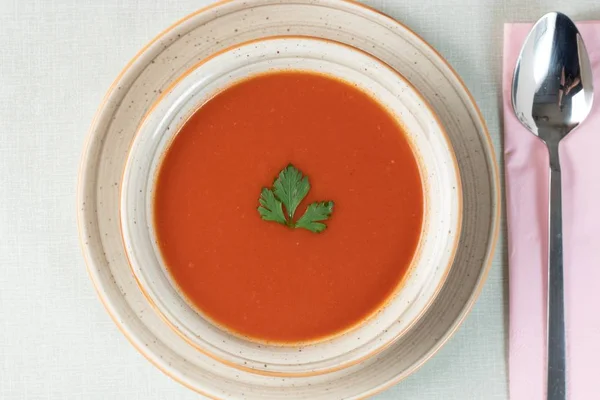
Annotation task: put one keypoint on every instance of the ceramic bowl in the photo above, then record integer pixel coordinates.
(442, 192)
(151, 72)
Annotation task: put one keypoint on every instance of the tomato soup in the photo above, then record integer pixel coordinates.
(264, 280)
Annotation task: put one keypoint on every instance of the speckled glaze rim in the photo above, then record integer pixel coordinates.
(495, 198)
(446, 268)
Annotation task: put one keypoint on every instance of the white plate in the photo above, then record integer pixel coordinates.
(439, 171)
(222, 26)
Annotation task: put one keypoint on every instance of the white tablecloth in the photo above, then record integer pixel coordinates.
(57, 59)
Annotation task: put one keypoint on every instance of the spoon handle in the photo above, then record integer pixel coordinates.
(557, 389)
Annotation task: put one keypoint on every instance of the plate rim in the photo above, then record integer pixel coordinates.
(495, 196)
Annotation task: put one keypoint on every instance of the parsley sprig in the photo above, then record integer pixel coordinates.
(279, 203)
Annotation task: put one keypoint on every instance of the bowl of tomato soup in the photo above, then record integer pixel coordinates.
(291, 206)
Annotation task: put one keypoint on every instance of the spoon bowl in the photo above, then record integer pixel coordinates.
(552, 90)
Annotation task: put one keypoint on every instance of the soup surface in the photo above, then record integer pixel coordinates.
(261, 279)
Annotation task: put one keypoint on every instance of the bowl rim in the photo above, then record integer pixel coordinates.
(454, 244)
(495, 197)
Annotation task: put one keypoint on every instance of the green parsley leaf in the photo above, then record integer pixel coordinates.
(291, 187)
(317, 211)
(270, 208)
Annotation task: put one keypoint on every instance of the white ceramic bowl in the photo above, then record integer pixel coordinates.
(439, 171)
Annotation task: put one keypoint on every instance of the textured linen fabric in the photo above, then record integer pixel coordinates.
(57, 59)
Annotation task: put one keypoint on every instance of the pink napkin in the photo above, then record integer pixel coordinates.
(526, 161)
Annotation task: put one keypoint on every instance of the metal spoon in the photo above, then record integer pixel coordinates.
(552, 94)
